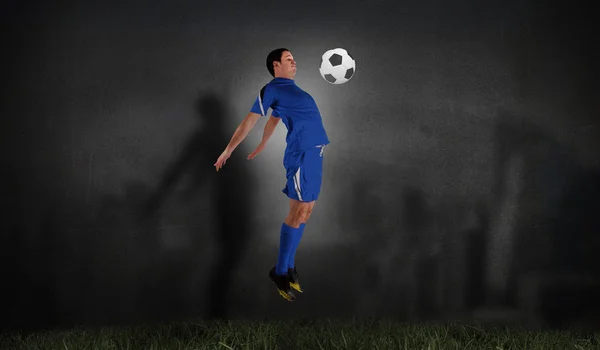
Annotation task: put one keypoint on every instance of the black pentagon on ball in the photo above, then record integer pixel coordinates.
(330, 78)
(349, 73)
(335, 60)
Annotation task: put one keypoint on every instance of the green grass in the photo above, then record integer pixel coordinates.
(299, 334)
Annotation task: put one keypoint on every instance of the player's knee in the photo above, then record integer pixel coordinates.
(307, 211)
(294, 221)
(298, 215)
(303, 214)
(307, 216)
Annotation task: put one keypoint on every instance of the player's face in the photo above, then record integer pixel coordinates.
(287, 68)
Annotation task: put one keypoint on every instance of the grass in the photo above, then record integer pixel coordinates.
(300, 334)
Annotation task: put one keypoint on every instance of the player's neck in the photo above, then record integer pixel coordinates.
(283, 77)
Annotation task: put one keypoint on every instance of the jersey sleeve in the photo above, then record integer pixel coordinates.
(264, 100)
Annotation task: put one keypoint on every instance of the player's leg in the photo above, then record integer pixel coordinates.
(291, 225)
(291, 260)
(289, 232)
(304, 171)
(311, 171)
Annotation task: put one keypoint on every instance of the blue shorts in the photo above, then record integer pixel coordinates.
(304, 173)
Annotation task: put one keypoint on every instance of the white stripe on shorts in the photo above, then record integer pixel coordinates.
(322, 147)
(297, 184)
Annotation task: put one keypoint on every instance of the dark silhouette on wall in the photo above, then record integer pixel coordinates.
(547, 267)
(231, 194)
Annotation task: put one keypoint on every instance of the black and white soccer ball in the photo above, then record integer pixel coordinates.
(337, 66)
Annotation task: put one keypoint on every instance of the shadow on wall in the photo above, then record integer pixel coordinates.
(526, 249)
(542, 254)
(170, 251)
(230, 193)
(154, 253)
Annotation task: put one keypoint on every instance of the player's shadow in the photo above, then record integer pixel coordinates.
(230, 195)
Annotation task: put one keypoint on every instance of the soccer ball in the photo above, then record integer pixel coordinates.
(337, 66)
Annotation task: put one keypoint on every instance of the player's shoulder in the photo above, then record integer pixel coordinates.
(269, 88)
(272, 84)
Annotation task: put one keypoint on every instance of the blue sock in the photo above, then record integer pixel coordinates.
(297, 239)
(286, 244)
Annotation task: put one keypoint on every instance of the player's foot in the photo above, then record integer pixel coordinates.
(283, 285)
(293, 278)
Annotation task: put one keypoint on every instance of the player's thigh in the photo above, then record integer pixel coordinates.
(292, 161)
(312, 174)
(299, 206)
(304, 172)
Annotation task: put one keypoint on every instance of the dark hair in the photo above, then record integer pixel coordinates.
(274, 56)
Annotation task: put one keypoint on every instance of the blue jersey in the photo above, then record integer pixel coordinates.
(298, 111)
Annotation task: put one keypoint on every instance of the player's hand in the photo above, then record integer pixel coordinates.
(222, 159)
(258, 149)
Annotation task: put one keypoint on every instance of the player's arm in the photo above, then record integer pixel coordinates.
(269, 129)
(242, 131)
(264, 101)
(238, 136)
(267, 132)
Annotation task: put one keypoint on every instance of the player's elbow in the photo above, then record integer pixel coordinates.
(273, 120)
(250, 120)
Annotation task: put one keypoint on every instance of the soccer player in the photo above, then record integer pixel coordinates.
(303, 158)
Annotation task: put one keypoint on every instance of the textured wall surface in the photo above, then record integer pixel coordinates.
(462, 170)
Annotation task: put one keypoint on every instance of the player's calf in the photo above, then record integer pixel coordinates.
(300, 211)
